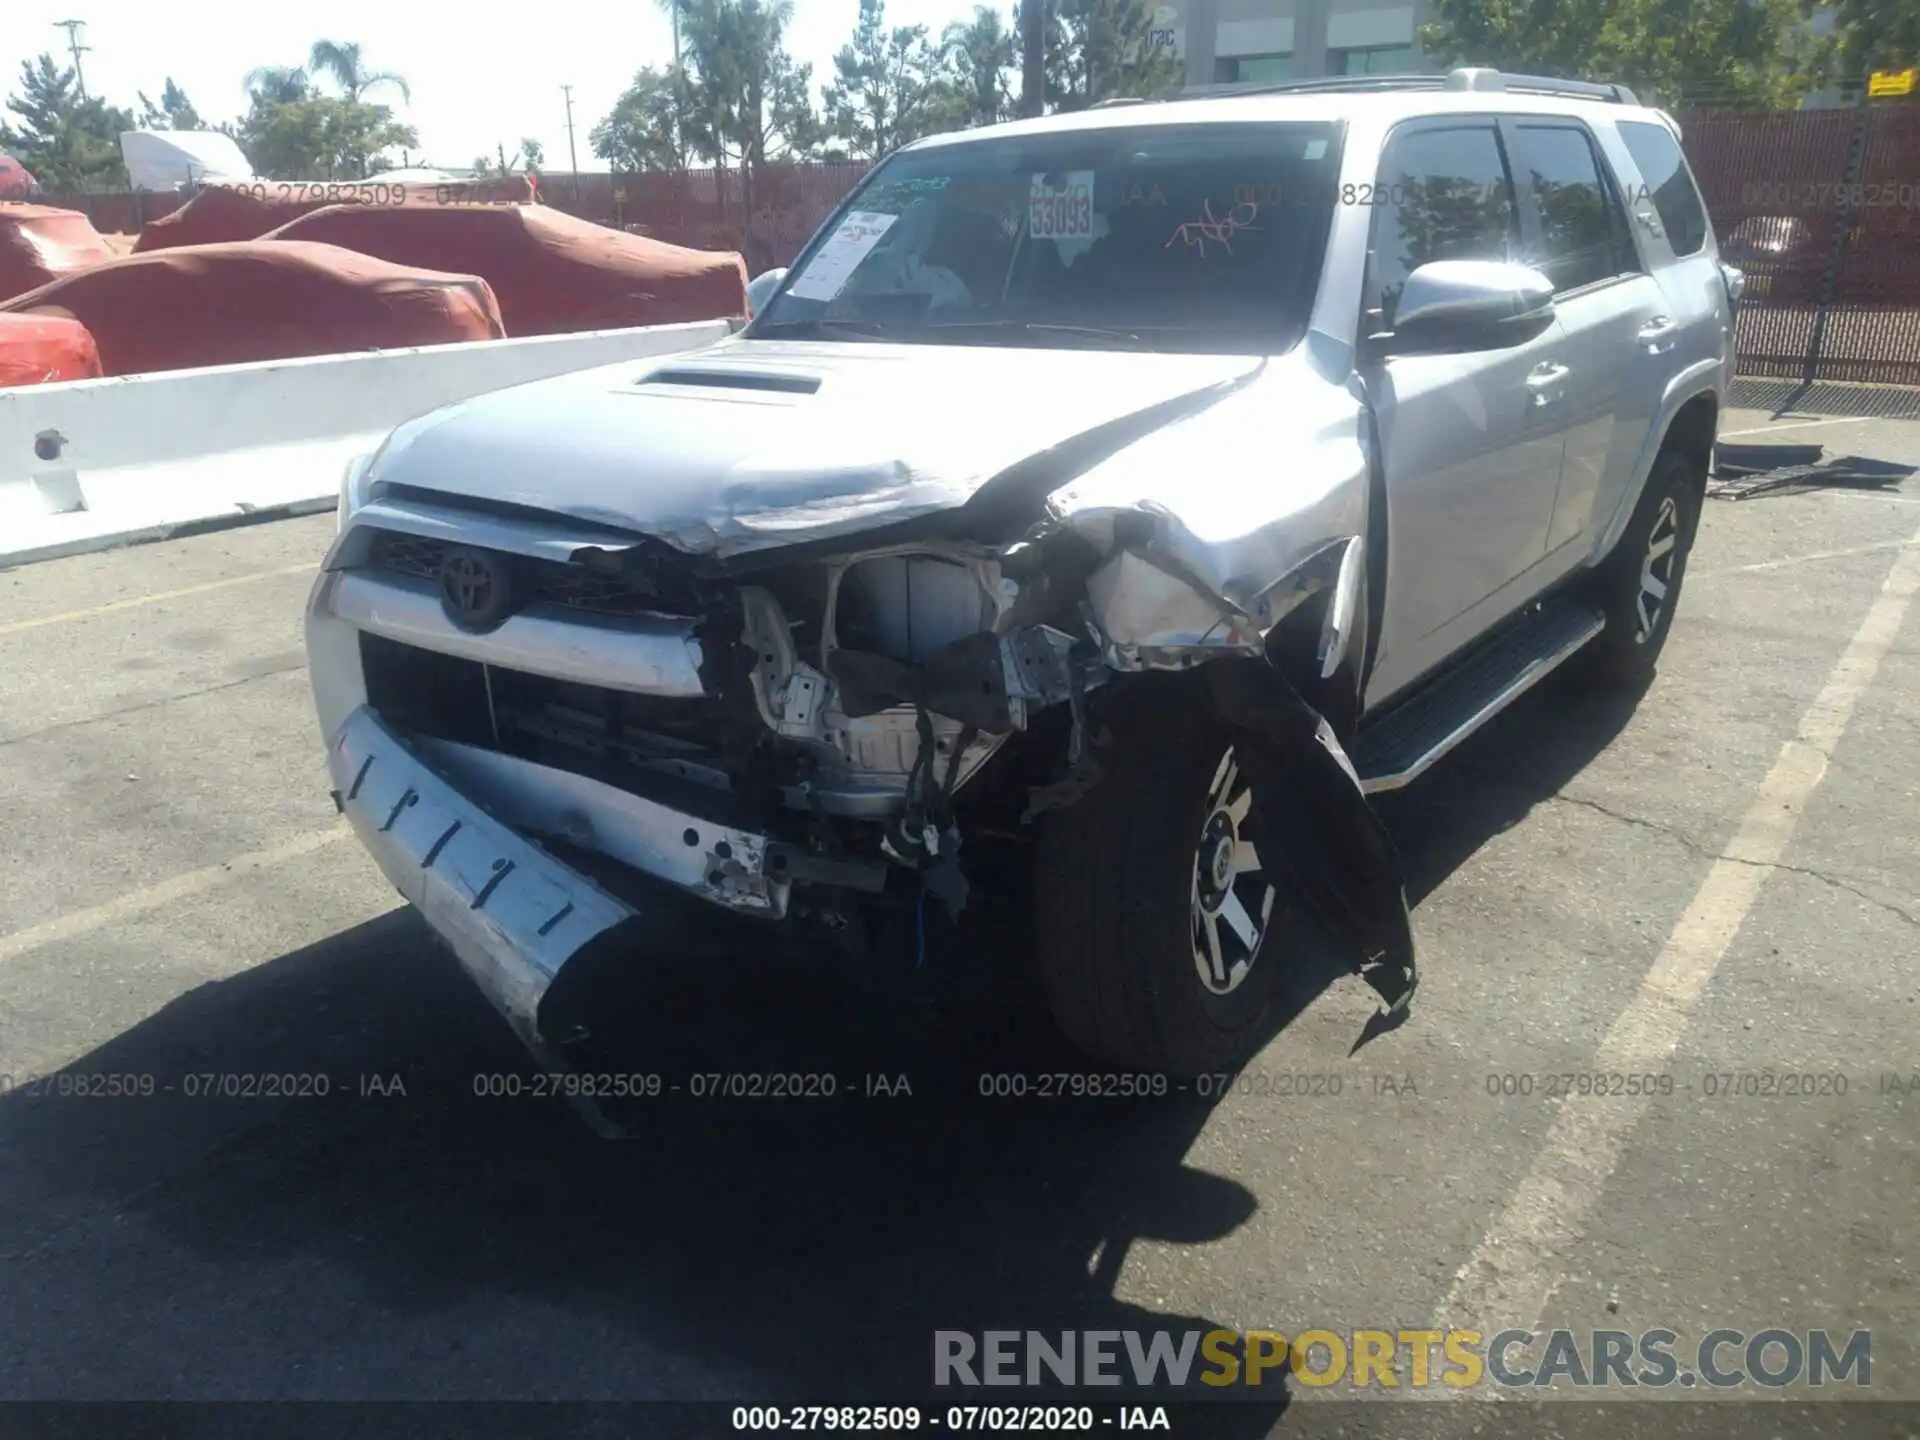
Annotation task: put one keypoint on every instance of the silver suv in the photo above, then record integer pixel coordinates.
(1132, 493)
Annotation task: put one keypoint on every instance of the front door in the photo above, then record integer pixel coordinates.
(1470, 444)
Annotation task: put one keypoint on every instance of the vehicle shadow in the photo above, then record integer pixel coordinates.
(1522, 758)
(810, 1246)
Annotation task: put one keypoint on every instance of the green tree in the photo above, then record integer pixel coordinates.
(1097, 50)
(277, 85)
(1732, 52)
(346, 64)
(746, 103)
(642, 131)
(66, 142)
(1870, 35)
(887, 87)
(528, 155)
(320, 137)
(978, 56)
(174, 112)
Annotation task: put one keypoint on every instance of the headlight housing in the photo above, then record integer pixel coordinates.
(353, 488)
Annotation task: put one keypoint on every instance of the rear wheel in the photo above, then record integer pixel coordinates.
(1162, 930)
(1638, 585)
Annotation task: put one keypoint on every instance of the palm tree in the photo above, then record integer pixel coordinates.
(343, 61)
(276, 84)
(979, 53)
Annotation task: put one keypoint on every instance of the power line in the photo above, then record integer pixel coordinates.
(74, 47)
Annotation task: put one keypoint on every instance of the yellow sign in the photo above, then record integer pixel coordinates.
(1892, 82)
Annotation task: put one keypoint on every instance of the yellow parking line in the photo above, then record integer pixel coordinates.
(167, 892)
(13, 627)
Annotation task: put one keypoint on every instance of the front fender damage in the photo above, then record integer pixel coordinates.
(1308, 805)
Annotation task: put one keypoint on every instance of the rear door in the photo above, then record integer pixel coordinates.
(1618, 334)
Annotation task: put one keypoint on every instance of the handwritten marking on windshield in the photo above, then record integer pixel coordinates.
(1220, 230)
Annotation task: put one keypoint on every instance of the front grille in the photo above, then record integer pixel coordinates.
(652, 588)
(627, 739)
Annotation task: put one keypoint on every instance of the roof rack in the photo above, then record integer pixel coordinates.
(1466, 78)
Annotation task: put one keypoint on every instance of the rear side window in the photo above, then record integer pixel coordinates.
(1664, 169)
(1583, 231)
(1443, 195)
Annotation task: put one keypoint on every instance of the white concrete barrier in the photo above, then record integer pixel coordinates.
(91, 464)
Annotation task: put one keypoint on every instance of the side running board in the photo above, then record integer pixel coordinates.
(1399, 747)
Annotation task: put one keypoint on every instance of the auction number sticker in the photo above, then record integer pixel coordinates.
(835, 261)
(1060, 207)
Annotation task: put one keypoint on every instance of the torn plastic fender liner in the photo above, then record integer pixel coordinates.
(1309, 806)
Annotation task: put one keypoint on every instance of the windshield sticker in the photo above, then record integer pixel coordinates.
(1316, 149)
(1221, 230)
(1060, 207)
(833, 264)
(902, 193)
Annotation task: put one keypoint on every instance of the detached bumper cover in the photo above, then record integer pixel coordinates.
(512, 913)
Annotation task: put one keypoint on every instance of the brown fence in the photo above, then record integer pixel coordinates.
(1821, 209)
(700, 208)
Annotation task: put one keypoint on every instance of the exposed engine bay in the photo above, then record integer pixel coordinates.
(863, 711)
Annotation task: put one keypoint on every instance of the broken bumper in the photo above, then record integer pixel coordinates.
(513, 914)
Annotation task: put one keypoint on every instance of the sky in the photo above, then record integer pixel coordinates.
(476, 84)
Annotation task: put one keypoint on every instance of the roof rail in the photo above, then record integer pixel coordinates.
(1466, 78)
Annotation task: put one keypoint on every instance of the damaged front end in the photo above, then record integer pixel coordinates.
(818, 736)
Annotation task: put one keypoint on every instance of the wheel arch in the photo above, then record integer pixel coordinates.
(1689, 420)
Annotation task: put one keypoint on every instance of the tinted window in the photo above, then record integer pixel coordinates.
(1583, 234)
(1664, 169)
(1192, 237)
(1443, 195)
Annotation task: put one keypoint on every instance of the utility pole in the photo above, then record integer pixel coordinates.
(74, 47)
(573, 157)
(1033, 59)
(679, 90)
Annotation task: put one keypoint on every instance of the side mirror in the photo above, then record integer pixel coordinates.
(760, 289)
(1450, 307)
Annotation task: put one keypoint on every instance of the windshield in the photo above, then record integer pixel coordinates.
(1168, 237)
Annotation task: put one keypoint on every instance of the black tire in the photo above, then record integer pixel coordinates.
(1115, 900)
(1624, 585)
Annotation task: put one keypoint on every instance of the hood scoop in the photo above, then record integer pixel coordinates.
(775, 381)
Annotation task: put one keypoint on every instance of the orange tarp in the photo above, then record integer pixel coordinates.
(37, 349)
(553, 273)
(202, 305)
(39, 243)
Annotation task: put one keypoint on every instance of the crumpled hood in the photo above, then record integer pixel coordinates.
(752, 444)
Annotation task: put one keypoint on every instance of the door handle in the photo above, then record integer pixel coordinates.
(1657, 334)
(1543, 382)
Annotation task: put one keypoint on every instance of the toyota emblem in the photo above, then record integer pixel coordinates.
(475, 588)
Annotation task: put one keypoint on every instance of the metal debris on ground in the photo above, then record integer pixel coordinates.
(1742, 471)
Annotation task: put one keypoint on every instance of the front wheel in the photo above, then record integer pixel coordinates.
(1162, 929)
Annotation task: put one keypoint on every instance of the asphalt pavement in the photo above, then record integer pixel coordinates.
(1720, 883)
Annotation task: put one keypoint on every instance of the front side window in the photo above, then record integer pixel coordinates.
(1664, 171)
(1443, 194)
(1205, 237)
(1583, 234)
